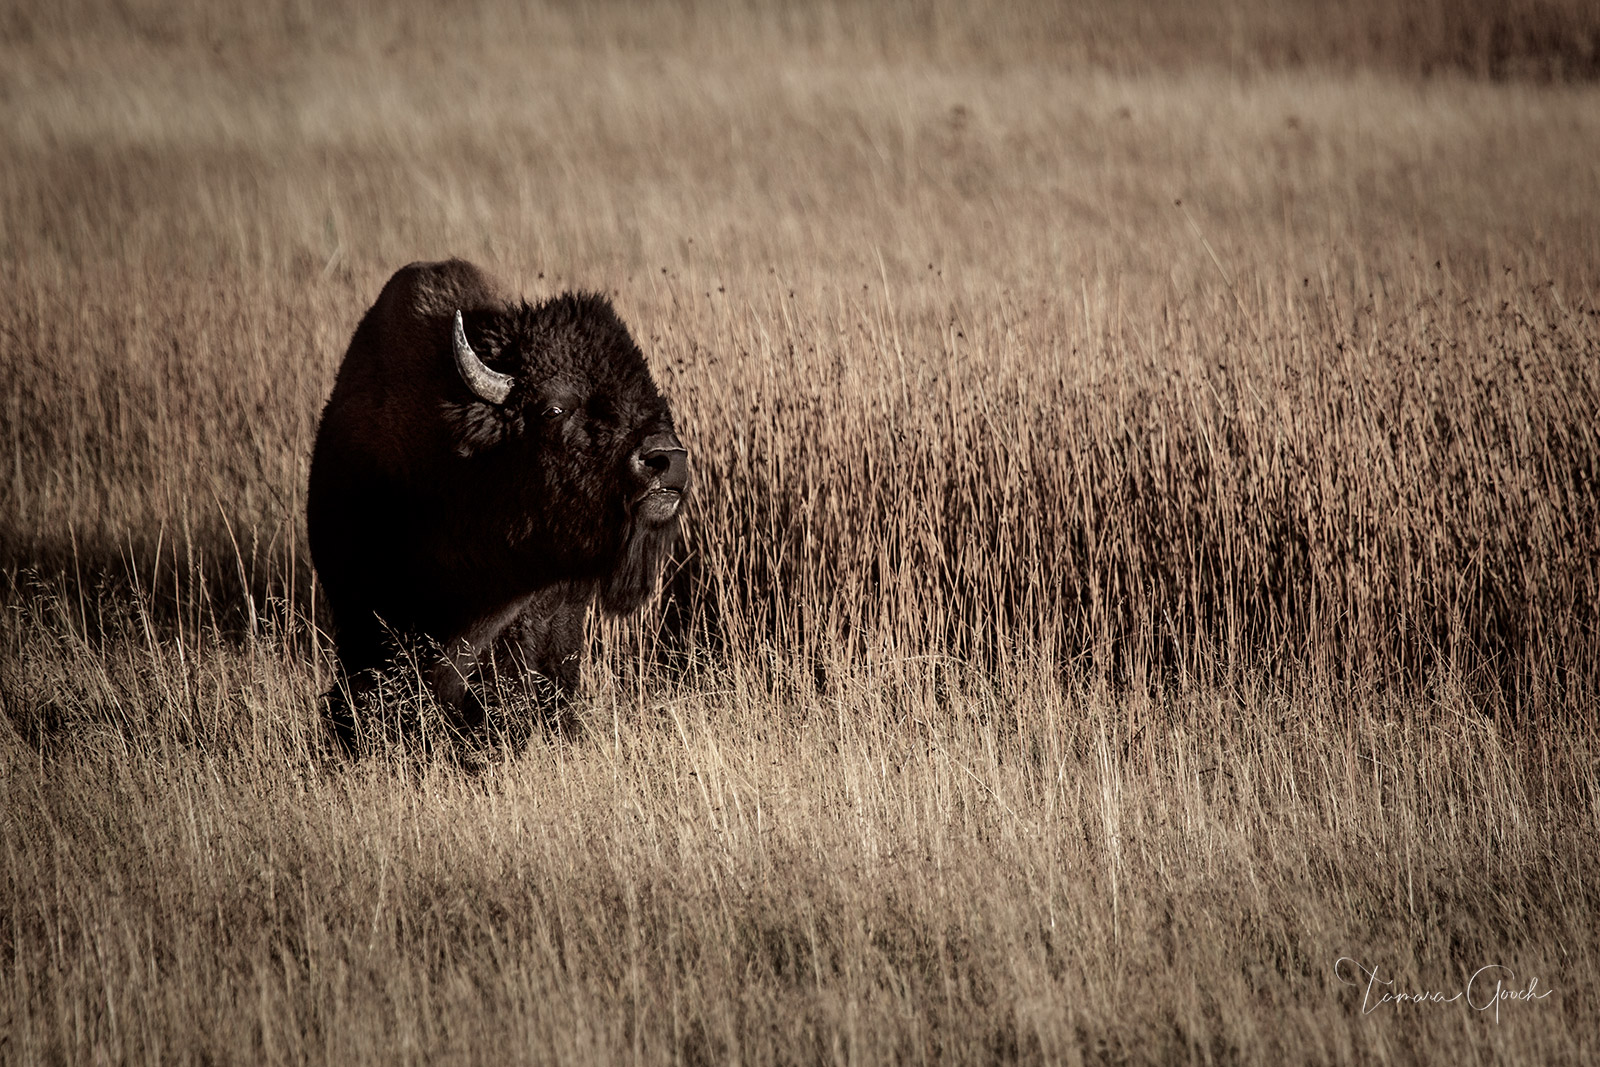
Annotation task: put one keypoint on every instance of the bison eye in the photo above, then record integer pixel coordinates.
(554, 411)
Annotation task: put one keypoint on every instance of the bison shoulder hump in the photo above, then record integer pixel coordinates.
(437, 290)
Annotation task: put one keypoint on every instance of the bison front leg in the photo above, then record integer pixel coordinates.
(363, 648)
(542, 649)
(448, 679)
(461, 658)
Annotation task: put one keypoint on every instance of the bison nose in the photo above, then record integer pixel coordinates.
(663, 462)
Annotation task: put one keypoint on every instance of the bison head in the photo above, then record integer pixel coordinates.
(557, 409)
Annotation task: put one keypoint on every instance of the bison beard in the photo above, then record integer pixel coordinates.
(479, 510)
(631, 583)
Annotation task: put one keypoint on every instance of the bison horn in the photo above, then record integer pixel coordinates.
(491, 385)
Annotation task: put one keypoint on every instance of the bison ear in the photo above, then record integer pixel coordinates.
(488, 385)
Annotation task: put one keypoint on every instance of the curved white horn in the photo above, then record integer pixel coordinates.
(491, 385)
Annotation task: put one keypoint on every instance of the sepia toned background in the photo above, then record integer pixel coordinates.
(1143, 550)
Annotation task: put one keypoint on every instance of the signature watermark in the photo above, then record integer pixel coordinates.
(1489, 987)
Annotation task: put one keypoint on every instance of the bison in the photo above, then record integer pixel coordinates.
(483, 471)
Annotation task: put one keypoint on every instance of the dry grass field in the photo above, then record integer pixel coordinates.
(1145, 551)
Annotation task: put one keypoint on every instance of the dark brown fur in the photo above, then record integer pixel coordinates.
(433, 513)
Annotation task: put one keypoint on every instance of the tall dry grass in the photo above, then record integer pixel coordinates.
(1144, 548)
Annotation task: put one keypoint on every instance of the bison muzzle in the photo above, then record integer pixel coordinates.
(484, 471)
